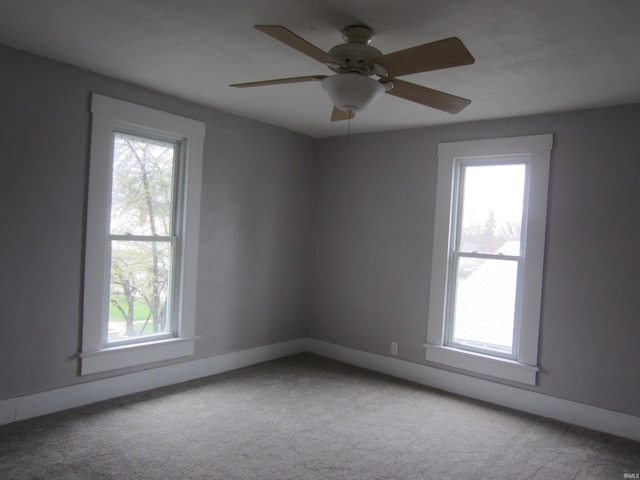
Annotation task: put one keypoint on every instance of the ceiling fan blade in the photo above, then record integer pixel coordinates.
(294, 41)
(338, 115)
(427, 96)
(278, 81)
(446, 53)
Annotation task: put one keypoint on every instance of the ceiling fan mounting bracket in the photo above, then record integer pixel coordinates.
(357, 34)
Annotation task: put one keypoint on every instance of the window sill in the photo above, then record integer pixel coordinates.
(112, 358)
(484, 364)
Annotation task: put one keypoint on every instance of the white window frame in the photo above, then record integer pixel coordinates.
(523, 367)
(109, 115)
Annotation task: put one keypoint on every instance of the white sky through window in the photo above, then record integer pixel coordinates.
(497, 188)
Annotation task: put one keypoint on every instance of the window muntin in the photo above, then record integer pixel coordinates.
(485, 261)
(143, 234)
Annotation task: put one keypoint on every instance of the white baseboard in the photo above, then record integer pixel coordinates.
(7, 411)
(28, 406)
(600, 419)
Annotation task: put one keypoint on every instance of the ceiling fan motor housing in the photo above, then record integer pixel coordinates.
(352, 90)
(355, 57)
(356, 54)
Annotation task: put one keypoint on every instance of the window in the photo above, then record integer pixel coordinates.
(486, 281)
(142, 236)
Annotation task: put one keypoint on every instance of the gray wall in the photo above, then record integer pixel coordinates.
(375, 212)
(254, 237)
(311, 237)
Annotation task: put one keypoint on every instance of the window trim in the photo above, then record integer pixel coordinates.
(107, 115)
(524, 367)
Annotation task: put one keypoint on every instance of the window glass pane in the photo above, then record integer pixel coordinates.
(492, 201)
(142, 188)
(485, 303)
(140, 273)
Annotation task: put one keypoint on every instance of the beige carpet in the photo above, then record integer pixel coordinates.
(305, 417)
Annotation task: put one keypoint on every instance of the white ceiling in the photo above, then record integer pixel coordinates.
(531, 56)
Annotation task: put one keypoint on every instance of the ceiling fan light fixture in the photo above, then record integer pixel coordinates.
(352, 92)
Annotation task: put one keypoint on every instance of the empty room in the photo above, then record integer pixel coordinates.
(276, 239)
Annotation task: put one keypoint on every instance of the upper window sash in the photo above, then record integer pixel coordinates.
(178, 143)
(460, 169)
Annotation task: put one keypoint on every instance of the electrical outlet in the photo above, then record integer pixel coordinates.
(394, 348)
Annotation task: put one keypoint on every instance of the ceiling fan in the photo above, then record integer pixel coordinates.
(363, 73)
